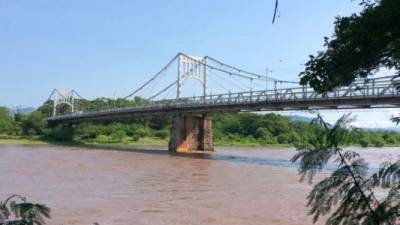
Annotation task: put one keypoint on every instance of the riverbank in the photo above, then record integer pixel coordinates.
(37, 140)
(21, 140)
(141, 143)
(146, 142)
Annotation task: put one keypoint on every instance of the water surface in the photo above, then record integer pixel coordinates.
(231, 186)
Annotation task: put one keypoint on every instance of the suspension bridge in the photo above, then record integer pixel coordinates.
(224, 88)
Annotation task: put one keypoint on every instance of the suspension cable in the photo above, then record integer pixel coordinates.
(154, 77)
(77, 94)
(221, 70)
(218, 83)
(227, 81)
(234, 68)
(247, 72)
(160, 92)
(259, 77)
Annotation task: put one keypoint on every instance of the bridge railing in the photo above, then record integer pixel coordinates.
(362, 88)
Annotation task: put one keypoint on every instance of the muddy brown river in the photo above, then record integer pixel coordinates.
(230, 186)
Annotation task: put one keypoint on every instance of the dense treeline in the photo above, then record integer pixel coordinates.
(229, 129)
(276, 129)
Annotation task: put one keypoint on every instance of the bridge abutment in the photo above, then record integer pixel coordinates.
(191, 133)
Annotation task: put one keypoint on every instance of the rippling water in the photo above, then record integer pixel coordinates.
(231, 186)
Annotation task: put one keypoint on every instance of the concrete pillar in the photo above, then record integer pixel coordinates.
(191, 133)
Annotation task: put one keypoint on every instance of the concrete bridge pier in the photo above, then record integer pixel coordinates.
(191, 133)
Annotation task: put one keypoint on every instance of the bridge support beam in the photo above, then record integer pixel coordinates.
(191, 133)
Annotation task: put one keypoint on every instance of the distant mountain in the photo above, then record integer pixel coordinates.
(395, 129)
(25, 110)
(309, 119)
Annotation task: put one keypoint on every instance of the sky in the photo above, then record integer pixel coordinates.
(110, 47)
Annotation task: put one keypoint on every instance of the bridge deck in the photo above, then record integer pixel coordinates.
(377, 93)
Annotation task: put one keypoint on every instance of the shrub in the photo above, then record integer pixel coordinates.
(118, 136)
(163, 134)
(103, 139)
(61, 133)
(87, 131)
(363, 142)
(34, 123)
(283, 139)
(378, 142)
(135, 138)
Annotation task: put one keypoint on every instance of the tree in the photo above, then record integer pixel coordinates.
(34, 123)
(349, 191)
(361, 44)
(6, 122)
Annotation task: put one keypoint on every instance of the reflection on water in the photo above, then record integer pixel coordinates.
(238, 186)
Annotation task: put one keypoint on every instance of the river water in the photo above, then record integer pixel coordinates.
(230, 186)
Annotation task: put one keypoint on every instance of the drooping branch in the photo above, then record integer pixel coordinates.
(275, 11)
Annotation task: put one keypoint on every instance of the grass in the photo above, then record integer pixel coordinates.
(146, 142)
(18, 140)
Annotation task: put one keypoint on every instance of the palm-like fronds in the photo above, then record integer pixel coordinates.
(16, 210)
(348, 191)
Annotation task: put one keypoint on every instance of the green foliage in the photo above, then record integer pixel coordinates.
(228, 128)
(378, 141)
(15, 210)
(364, 142)
(61, 133)
(259, 128)
(360, 45)
(34, 124)
(86, 131)
(103, 139)
(163, 134)
(6, 122)
(46, 109)
(390, 137)
(118, 135)
(349, 191)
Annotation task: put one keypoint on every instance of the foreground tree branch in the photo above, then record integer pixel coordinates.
(15, 210)
(361, 44)
(348, 194)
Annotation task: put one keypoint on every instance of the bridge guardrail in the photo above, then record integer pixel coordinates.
(362, 88)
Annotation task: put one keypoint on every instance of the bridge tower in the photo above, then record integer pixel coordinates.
(192, 67)
(191, 132)
(61, 98)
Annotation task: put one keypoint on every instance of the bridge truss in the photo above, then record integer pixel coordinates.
(254, 92)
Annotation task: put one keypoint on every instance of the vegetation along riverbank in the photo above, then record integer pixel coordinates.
(230, 129)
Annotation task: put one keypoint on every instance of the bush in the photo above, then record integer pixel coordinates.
(363, 142)
(163, 134)
(136, 129)
(390, 137)
(61, 133)
(118, 136)
(103, 139)
(264, 136)
(6, 122)
(378, 142)
(283, 139)
(87, 131)
(135, 138)
(34, 123)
